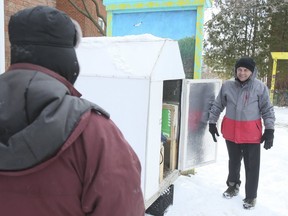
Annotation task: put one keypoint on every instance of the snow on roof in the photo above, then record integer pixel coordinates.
(136, 56)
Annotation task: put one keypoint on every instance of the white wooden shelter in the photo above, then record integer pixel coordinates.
(125, 75)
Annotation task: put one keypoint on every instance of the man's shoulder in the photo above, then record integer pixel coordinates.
(229, 82)
(259, 85)
(100, 111)
(259, 82)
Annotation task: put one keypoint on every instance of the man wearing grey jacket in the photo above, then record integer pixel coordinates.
(247, 103)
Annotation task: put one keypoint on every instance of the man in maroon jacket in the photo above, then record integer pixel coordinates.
(60, 155)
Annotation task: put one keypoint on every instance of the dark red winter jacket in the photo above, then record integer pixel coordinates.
(61, 155)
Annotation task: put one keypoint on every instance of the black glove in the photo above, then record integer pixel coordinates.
(268, 137)
(213, 130)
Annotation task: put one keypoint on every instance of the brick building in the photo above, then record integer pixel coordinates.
(88, 28)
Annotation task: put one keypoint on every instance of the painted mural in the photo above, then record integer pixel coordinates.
(169, 24)
(177, 25)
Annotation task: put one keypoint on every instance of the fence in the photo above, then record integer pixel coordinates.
(280, 98)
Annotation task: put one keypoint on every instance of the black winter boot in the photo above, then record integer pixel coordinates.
(232, 190)
(249, 203)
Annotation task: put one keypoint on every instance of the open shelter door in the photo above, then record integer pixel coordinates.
(196, 144)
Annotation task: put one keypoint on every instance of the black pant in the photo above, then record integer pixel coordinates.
(251, 155)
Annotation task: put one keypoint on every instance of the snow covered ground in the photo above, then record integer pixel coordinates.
(201, 194)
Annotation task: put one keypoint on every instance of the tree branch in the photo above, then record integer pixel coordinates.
(87, 14)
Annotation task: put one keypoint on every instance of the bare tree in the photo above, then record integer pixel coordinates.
(95, 16)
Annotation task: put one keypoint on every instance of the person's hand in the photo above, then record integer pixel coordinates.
(213, 130)
(268, 138)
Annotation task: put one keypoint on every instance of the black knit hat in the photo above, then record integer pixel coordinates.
(47, 37)
(246, 62)
(42, 25)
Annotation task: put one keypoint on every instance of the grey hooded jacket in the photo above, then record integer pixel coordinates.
(29, 116)
(247, 104)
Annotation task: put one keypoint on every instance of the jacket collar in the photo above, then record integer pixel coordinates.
(51, 73)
